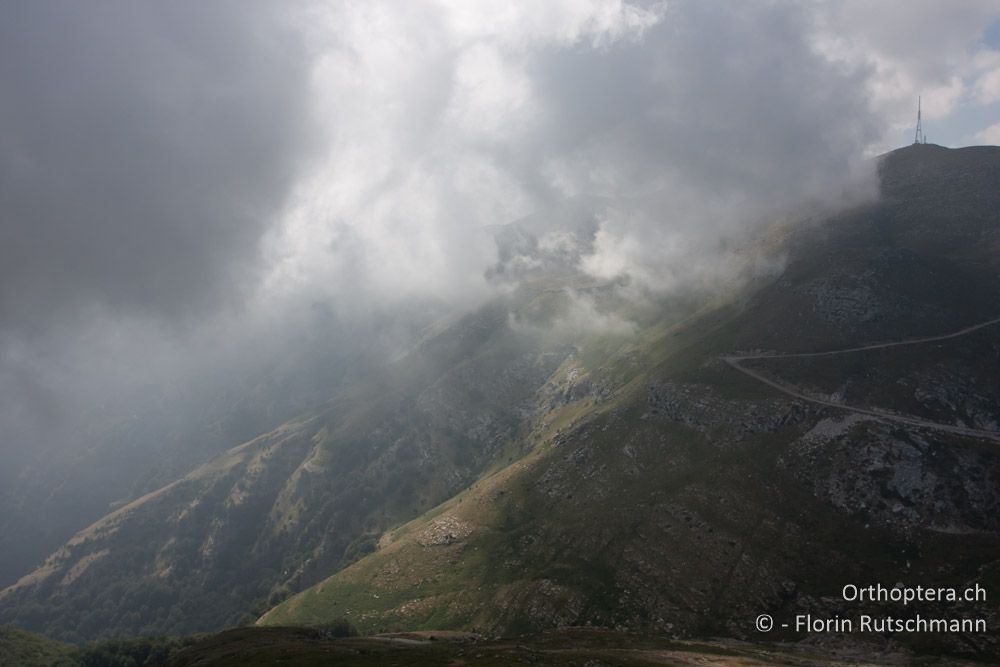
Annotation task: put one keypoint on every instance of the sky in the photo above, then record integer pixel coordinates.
(948, 53)
(189, 188)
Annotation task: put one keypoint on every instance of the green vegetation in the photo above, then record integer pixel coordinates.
(24, 649)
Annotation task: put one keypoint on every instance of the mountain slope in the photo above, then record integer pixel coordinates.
(291, 506)
(698, 497)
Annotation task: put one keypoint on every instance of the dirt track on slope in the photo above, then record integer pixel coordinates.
(735, 362)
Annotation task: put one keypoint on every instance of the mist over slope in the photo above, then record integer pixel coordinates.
(219, 545)
(686, 497)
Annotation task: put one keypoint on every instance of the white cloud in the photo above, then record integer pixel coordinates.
(991, 135)
(445, 118)
(987, 84)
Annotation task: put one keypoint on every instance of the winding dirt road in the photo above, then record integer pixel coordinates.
(791, 390)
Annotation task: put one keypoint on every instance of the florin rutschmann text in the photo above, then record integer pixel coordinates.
(902, 595)
(867, 595)
(881, 624)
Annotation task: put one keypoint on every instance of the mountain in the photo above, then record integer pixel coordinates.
(677, 473)
(688, 496)
(73, 465)
(218, 546)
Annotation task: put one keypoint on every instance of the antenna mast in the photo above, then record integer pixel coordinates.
(918, 137)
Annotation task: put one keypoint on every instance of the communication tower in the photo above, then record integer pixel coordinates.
(919, 137)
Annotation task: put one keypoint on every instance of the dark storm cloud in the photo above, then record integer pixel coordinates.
(144, 148)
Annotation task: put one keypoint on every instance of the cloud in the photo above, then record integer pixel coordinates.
(987, 84)
(144, 149)
(912, 47)
(184, 190)
(450, 118)
(435, 133)
(990, 135)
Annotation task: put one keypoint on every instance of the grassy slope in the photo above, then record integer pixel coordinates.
(26, 649)
(477, 506)
(563, 526)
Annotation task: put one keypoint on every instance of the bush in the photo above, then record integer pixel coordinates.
(336, 628)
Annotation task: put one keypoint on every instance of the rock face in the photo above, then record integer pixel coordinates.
(445, 530)
(845, 299)
(905, 481)
(700, 407)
